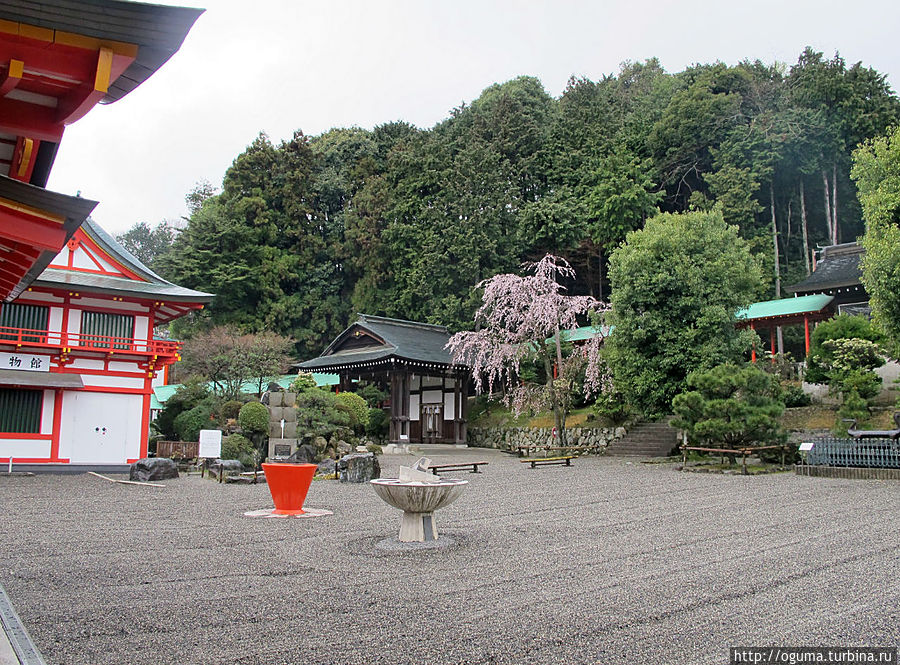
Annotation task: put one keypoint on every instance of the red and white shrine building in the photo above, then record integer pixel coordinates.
(77, 353)
(78, 356)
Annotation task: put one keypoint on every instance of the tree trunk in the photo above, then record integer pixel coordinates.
(834, 218)
(559, 408)
(600, 272)
(787, 237)
(828, 222)
(804, 228)
(777, 262)
(775, 242)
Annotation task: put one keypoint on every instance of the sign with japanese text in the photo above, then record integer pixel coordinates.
(210, 443)
(25, 361)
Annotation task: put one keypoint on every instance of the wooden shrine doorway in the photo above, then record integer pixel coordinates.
(432, 419)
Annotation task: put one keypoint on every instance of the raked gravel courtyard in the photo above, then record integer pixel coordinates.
(603, 562)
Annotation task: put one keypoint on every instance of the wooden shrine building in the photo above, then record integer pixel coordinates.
(838, 273)
(428, 393)
(79, 358)
(834, 287)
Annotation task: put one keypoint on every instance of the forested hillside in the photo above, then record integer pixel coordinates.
(402, 222)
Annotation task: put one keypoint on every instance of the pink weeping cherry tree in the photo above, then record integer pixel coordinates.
(520, 321)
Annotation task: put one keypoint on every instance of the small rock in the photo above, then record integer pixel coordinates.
(343, 448)
(359, 468)
(153, 468)
(305, 454)
(326, 467)
(230, 467)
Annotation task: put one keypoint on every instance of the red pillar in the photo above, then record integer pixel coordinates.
(806, 332)
(753, 350)
(772, 343)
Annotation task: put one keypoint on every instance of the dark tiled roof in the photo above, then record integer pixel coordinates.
(158, 30)
(120, 286)
(838, 268)
(419, 343)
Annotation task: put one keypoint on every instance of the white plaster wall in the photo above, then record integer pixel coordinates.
(432, 381)
(449, 410)
(74, 321)
(118, 366)
(54, 322)
(81, 260)
(84, 416)
(125, 307)
(101, 381)
(141, 325)
(413, 407)
(432, 397)
(415, 382)
(47, 412)
(87, 363)
(24, 448)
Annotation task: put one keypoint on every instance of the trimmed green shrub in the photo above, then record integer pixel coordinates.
(189, 395)
(189, 423)
(254, 418)
(230, 409)
(853, 408)
(370, 392)
(612, 407)
(236, 446)
(821, 355)
(730, 405)
(320, 414)
(356, 407)
(377, 424)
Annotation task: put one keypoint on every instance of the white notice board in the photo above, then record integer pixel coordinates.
(210, 443)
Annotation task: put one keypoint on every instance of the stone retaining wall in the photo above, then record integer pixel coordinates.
(595, 438)
(848, 472)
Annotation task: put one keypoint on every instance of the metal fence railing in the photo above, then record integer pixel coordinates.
(876, 453)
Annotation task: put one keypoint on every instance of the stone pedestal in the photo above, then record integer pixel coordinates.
(417, 528)
(281, 448)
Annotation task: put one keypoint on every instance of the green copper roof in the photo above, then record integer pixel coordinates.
(785, 307)
(163, 393)
(582, 333)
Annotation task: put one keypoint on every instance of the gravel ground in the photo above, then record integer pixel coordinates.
(603, 562)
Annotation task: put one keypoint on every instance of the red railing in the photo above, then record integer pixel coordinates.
(81, 342)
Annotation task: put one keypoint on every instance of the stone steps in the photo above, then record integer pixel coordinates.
(647, 439)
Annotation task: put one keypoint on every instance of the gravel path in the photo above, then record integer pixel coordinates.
(602, 562)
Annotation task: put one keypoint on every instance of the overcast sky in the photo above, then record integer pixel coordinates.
(278, 65)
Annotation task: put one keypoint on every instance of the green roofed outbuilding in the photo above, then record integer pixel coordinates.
(771, 314)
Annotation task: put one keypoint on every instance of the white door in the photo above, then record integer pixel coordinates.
(99, 426)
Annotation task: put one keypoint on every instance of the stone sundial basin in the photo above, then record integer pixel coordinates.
(418, 494)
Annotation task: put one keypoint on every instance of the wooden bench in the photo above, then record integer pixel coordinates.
(458, 466)
(566, 459)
